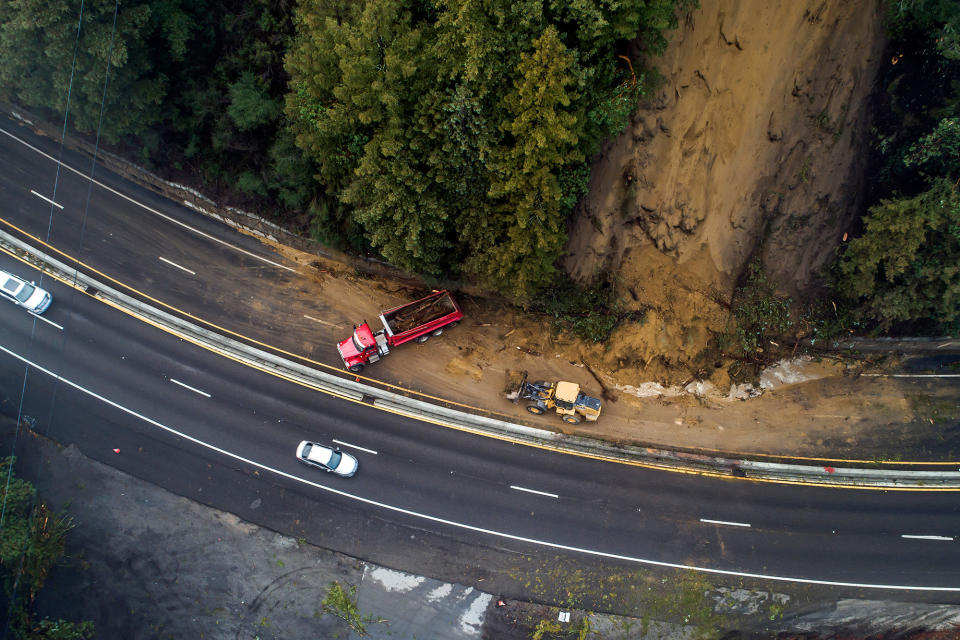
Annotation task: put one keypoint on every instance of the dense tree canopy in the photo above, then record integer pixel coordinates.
(457, 131)
(50, 56)
(451, 137)
(905, 268)
(902, 273)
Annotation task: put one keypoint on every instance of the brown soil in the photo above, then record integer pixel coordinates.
(755, 136)
(753, 145)
(828, 410)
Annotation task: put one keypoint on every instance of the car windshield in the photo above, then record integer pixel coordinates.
(334, 460)
(25, 292)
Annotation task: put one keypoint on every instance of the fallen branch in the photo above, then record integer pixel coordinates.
(608, 395)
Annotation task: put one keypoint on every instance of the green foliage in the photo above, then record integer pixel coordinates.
(457, 132)
(544, 627)
(226, 107)
(18, 496)
(685, 599)
(758, 315)
(905, 268)
(451, 137)
(940, 18)
(37, 46)
(343, 604)
(901, 274)
(542, 137)
(250, 103)
(249, 182)
(939, 151)
(32, 540)
(58, 630)
(921, 90)
(591, 313)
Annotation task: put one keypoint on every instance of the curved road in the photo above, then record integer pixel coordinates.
(130, 386)
(161, 381)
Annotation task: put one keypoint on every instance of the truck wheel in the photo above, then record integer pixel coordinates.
(423, 339)
(437, 332)
(571, 419)
(356, 368)
(453, 324)
(535, 409)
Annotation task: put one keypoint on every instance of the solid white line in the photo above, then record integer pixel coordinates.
(59, 206)
(39, 317)
(732, 524)
(461, 525)
(539, 493)
(186, 386)
(355, 446)
(147, 208)
(330, 324)
(944, 538)
(174, 264)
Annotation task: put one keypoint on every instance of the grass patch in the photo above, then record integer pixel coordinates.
(683, 599)
(677, 597)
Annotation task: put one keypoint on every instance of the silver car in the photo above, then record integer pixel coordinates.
(25, 294)
(331, 460)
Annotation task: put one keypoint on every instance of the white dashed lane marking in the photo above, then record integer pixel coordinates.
(186, 386)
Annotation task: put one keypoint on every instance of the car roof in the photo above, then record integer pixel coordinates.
(319, 453)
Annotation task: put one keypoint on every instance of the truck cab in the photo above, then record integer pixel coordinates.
(363, 346)
(417, 320)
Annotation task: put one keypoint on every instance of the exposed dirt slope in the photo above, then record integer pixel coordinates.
(753, 144)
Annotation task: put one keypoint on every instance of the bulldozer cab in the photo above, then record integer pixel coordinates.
(565, 397)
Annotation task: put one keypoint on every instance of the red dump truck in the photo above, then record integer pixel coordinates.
(413, 321)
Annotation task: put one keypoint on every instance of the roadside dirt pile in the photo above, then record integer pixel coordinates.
(754, 145)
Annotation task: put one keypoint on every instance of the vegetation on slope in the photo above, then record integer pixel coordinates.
(451, 137)
(902, 274)
(458, 132)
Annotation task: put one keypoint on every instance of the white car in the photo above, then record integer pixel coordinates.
(25, 294)
(331, 460)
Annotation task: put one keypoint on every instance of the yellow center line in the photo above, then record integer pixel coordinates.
(544, 446)
(235, 334)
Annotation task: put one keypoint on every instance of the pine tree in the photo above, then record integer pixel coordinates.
(520, 244)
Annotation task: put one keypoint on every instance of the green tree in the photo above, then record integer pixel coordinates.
(938, 153)
(32, 540)
(225, 109)
(901, 274)
(251, 105)
(904, 271)
(37, 42)
(519, 244)
(939, 18)
(457, 131)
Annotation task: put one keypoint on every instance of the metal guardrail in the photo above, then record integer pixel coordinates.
(483, 425)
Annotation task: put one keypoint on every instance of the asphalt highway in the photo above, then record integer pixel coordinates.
(191, 420)
(238, 418)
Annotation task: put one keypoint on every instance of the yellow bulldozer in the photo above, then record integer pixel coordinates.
(564, 397)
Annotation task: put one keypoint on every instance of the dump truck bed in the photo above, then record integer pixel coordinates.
(420, 317)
